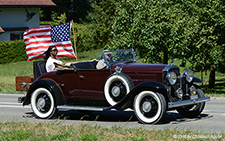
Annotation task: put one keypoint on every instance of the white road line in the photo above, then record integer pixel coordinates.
(12, 106)
(10, 103)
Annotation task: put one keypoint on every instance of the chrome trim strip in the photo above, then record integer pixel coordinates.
(188, 102)
(85, 108)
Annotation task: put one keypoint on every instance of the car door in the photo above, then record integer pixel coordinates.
(91, 83)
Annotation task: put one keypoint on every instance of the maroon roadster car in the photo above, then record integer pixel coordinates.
(149, 89)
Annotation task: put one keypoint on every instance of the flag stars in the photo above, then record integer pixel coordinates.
(60, 33)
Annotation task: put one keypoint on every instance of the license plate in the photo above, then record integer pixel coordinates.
(194, 97)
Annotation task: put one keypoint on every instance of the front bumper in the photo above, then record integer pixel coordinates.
(187, 102)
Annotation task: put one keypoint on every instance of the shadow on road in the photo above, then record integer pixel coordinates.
(119, 116)
(175, 118)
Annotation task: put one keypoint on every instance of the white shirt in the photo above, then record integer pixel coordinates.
(50, 63)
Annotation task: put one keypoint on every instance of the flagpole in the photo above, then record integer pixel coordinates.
(75, 47)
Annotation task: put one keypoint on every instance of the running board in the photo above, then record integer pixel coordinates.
(85, 108)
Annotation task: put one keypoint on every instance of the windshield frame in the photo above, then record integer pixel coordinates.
(121, 55)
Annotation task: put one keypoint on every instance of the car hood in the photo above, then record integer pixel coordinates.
(139, 67)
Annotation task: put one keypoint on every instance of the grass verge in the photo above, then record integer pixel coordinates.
(86, 132)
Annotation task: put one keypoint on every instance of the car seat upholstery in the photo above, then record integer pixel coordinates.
(39, 68)
(85, 65)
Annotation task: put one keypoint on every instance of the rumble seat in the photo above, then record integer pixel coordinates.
(39, 68)
(85, 65)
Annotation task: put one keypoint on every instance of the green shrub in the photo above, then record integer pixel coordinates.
(12, 51)
(85, 37)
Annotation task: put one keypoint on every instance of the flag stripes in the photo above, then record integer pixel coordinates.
(38, 40)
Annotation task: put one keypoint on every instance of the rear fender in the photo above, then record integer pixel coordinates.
(48, 84)
(127, 101)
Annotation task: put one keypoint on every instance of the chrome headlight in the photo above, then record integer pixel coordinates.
(172, 78)
(188, 74)
(179, 93)
(193, 90)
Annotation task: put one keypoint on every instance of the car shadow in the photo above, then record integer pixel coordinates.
(110, 116)
(176, 118)
(171, 117)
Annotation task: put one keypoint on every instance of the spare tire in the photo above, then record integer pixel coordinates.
(116, 87)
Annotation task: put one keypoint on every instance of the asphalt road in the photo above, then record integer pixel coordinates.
(212, 119)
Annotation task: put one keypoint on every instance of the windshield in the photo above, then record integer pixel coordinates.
(119, 55)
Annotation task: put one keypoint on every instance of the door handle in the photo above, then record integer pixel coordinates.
(81, 77)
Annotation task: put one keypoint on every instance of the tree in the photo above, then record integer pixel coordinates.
(206, 41)
(102, 17)
(190, 30)
(155, 28)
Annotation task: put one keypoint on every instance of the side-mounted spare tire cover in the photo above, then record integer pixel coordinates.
(116, 87)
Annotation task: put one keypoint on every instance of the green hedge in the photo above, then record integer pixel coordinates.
(12, 51)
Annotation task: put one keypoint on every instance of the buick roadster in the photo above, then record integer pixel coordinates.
(149, 89)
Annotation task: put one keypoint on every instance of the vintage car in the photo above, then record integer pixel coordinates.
(149, 89)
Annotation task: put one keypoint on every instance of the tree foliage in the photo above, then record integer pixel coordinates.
(153, 27)
(206, 42)
(60, 19)
(190, 30)
(75, 10)
(174, 28)
(102, 17)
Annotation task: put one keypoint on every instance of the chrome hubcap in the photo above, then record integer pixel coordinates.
(146, 106)
(41, 103)
(115, 91)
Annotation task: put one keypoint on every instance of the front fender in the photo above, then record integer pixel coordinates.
(127, 101)
(48, 84)
(197, 80)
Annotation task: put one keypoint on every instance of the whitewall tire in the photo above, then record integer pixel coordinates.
(116, 87)
(42, 103)
(149, 107)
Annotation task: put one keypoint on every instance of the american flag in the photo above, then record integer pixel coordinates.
(38, 40)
